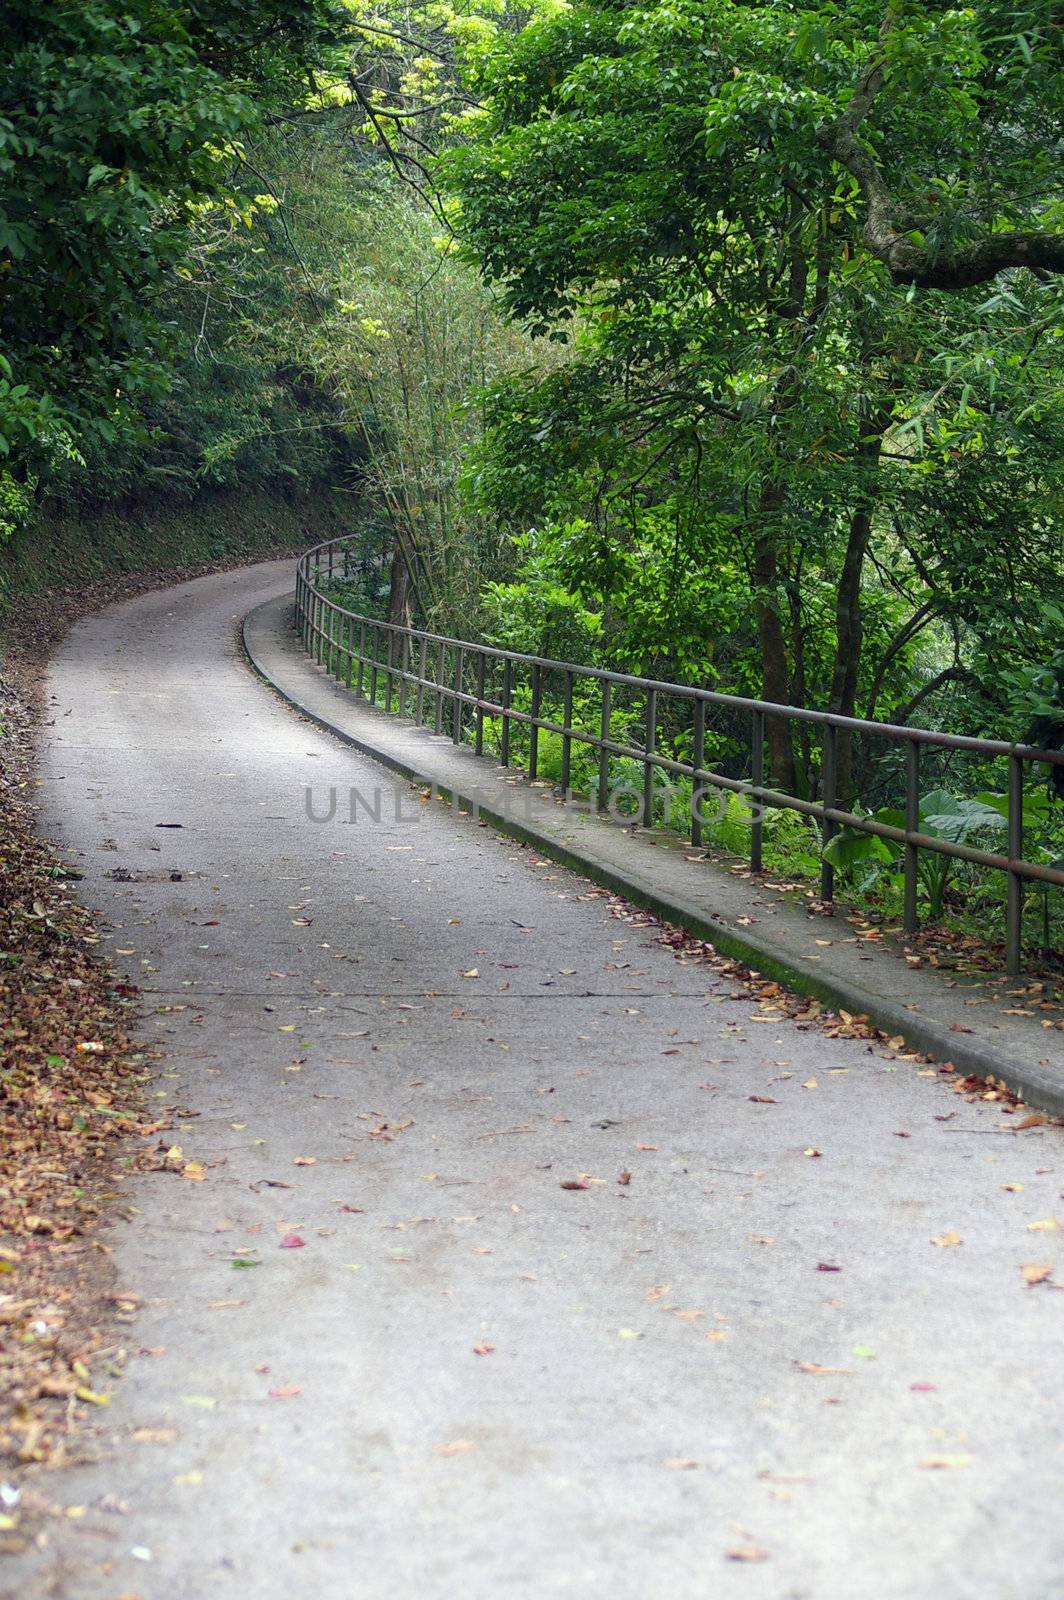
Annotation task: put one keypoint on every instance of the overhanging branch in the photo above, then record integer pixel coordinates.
(888, 232)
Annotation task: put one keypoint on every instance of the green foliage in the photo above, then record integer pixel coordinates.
(119, 124)
(942, 816)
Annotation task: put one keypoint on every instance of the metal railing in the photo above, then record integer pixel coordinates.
(445, 682)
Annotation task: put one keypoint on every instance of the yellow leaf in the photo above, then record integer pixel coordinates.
(195, 1171)
(91, 1396)
(1047, 1225)
(810, 1083)
(944, 1240)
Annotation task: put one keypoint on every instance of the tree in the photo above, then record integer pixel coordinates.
(693, 196)
(120, 122)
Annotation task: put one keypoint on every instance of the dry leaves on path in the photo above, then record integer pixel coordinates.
(71, 1088)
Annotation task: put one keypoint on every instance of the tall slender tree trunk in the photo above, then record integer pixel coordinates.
(849, 631)
(399, 607)
(775, 678)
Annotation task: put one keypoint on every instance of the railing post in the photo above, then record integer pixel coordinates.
(441, 658)
(1014, 906)
(360, 682)
(757, 778)
(373, 667)
(331, 550)
(649, 745)
(404, 671)
(827, 800)
(389, 674)
(533, 731)
(507, 695)
(321, 630)
(604, 755)
(422, 662)
(567, 722)
(698, 757)
(911, 919)
(459, 674)
(481, 667)
(349, 635)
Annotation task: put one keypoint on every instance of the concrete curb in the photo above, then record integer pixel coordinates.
(1038, 1086)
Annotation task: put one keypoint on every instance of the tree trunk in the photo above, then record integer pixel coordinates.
(775, 684)
(399, 608)
(848, 625)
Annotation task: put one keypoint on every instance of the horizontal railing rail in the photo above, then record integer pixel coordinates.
(417, 666)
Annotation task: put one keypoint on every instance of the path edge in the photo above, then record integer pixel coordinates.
(1042, 1090)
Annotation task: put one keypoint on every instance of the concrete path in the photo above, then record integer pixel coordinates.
(989, 1026)
(403, 1043)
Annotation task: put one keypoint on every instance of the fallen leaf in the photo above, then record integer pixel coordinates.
(457, 1447)
(483, 1349)
(764, 1100)
(863, 1352)
(624, 1178)
(923, 1388)
(628, 1333)
(817, 1371)
(92, 1397)
(194, 1170)
(285, 1391)
(681, 1463)
(1036, 1120)
(188, 1479)
(827, 1266)
(747, 1552)
(944, 1240)
(573, 1183)
(305, 1161)
(1046, 1225)
(474, 972)
(657, 1292)
(242, 1262)
(810, 1083)
(1034, 1273)
(939, 1463)
(292, 1241)
(812, 1152)
(202, 1402)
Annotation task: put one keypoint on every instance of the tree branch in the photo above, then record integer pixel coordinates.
(887, 231)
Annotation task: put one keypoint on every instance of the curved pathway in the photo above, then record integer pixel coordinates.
(403, 1043)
